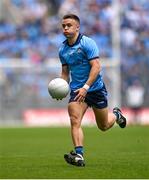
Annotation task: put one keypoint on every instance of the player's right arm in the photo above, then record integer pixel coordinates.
(65, 68)
(65, 72)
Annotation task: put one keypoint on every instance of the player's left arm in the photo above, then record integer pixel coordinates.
(94, 72)
(92, 53)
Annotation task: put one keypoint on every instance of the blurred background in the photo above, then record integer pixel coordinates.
(30, 35)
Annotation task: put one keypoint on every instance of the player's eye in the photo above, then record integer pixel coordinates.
(69, 25)
(66, 25)
(63, 25)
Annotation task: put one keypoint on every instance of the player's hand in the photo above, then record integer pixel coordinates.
(81, 94)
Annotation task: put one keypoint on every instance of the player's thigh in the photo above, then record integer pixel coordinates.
(101, 116)
(76, 111)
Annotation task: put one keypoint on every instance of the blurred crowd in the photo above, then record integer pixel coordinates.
(37, 35)
(32, 32)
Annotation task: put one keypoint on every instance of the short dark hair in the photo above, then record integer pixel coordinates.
(72, 16)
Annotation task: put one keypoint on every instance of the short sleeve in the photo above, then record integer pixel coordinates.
(62, 60)
(90, 48)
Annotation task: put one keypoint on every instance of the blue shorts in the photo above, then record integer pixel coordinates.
(97, 99)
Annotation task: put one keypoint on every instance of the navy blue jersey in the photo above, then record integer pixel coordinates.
(78, 57)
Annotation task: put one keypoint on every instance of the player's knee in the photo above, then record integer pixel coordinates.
(74, 121)
(103, 128)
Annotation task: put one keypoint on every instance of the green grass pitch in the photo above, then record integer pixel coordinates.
(37, 153)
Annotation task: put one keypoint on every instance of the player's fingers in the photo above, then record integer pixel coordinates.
(76, 91)
(77, 97)
(83, 99)
(80, 98)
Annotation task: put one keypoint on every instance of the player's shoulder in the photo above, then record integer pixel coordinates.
(62, 46)
(87, 40)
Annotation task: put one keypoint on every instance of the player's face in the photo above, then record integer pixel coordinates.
(70, 27)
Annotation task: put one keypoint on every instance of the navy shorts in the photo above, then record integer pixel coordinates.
(97, 99)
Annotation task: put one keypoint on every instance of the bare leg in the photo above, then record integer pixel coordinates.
(76, 111)
(104, 119)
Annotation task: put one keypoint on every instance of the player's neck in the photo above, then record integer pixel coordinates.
(72, 40)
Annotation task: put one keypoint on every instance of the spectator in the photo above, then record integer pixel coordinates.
(135, 99)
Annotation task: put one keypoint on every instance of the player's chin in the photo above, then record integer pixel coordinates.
(67, 35)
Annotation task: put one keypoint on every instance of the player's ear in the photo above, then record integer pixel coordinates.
(78, 27)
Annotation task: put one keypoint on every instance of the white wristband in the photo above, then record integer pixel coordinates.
(86, 87)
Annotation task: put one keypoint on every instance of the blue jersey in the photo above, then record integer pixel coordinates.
(77, 57)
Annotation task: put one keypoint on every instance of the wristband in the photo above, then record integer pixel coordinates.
(86, 87)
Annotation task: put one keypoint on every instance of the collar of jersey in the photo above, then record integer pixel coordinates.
(77, 41)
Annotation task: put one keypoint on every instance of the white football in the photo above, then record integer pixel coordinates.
(58, 88)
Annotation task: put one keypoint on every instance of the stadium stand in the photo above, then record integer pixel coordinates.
(36, 35)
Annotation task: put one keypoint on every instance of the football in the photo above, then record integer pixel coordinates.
(58, 88)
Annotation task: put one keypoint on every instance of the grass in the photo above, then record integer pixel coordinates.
(37, 153)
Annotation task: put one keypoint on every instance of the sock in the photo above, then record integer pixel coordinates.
(79, 150)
